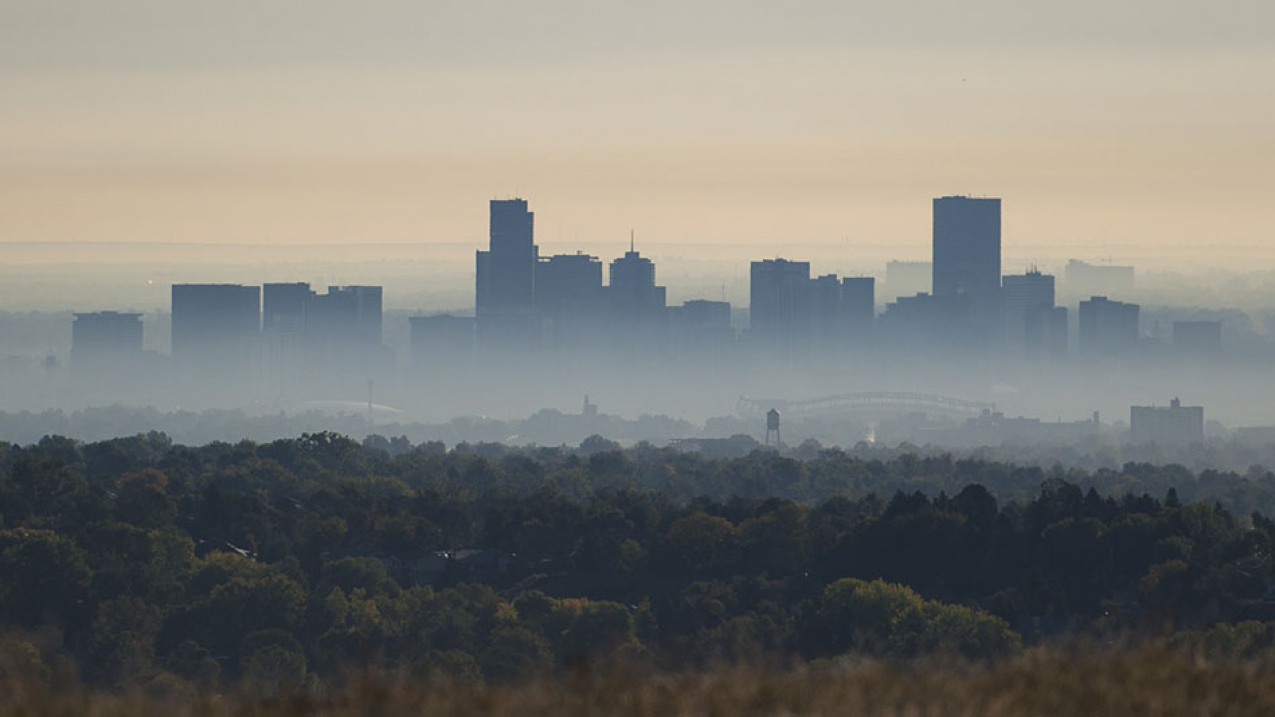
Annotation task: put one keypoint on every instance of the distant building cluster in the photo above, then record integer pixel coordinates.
(283, 335)
(958, 301)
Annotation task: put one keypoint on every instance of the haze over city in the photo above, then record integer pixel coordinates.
(1132, 130)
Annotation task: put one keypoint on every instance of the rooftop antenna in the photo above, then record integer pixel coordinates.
(630, 239)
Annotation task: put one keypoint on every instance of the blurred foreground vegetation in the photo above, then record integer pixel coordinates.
(138, 567)
(1094, 681)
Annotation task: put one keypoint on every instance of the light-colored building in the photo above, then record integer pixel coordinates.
(1172, 425)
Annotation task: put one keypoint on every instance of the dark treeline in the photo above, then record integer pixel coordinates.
(140, 561)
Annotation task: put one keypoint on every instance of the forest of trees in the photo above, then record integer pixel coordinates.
(137, 561)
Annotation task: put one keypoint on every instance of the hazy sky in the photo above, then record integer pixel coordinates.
(1099, 122)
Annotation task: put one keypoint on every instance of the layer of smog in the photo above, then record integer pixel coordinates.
(553, 342)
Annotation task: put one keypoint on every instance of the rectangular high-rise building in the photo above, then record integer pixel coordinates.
(214, 325)
(345, 315)
(1024, 298)
(283, 307)
(506, 271)
(778, 302)
(569, 294)
(1174, 425)
(106, 337)
(632, 294)
(700, 327)
(1107, 327)
(505, 281)
(967, 254)
(1046, 333)
(858, 304)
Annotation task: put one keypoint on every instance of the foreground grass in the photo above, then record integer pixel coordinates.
(1039, 684)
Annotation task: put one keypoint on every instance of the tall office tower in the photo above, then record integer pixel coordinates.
(507, 270)
(1024, 298)
(214, 326)
(283, 307)
(283, 346)
(778, 303)
(345, 316)
(700, 328)
(1107, 327)
(967, 257)
(631, 292)
(823, 311)
(1046, 333)
(505, 287)
(569, 294)
(106, 338)
(858, 307)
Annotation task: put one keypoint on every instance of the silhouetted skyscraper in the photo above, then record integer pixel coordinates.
(507, 270)
(215, 325)
(505, 295)
(1046, 332)
(346, 315)
(700, 327)
(283, 307)
(1025, 298)
(1107, 327)
(631, 293)
(858, 307)
(106, 338)
(967, 256)
(778, 303)
(569, 294)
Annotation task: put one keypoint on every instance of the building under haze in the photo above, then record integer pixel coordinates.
(907, 278)
(1107, 327)
(283, 308)
(1046, 333)
(701, 328)
(632, 294)
(570, 297)
(967, 257)
(106, 338)
(1172, 425)
(858, 304)
(778, 304)
(840, 312)
(442, 343)
(345, 316)
(505, 286)
(1081, 279)
(1025, 298)
(214, 327)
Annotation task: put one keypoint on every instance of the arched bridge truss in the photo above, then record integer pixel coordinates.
(863, 402)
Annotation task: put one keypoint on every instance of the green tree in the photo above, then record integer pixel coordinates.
(45, 578)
